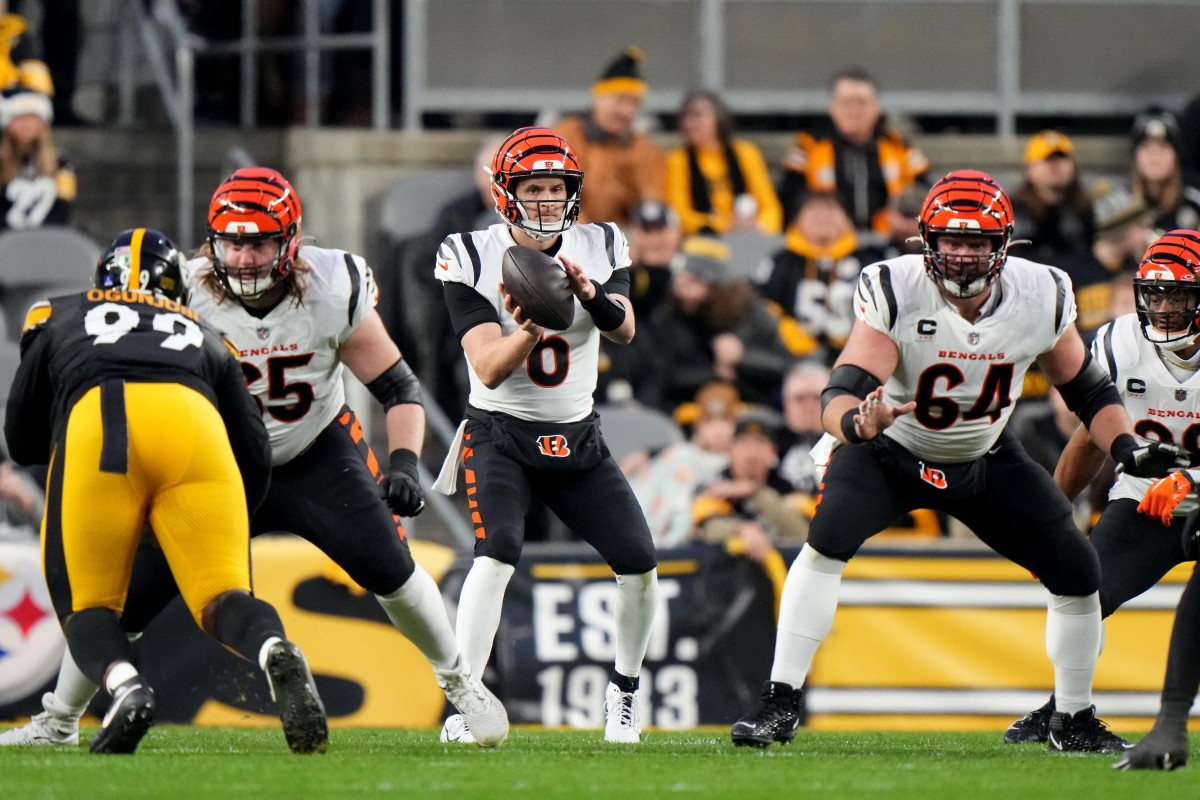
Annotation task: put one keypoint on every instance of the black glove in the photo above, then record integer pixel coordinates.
(401, 489)
(1165, 747)
(1147, 459)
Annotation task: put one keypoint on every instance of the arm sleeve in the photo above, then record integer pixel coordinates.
(27, 418)
(247, 434)
(618, 283)
(467, 308)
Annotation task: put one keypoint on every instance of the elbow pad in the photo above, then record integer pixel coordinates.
(1089, 391)
(397, 385)
(848, 379)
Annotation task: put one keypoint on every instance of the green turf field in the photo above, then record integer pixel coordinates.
(255, 764)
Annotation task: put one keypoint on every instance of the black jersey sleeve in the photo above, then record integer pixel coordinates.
(467, 307)
(619, 282)
(28, 417)
(243, 422)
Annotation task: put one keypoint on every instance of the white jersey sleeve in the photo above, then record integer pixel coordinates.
(290, 355)
(965, 377)
(556, 382)
(1161, 406)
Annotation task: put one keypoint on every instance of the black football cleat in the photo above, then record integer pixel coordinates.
(1081, 732)
(774, 719)
(1164, 747)
(1034, 727)
(295, 692)
(127, 719)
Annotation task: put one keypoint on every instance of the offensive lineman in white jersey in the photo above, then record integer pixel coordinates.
(1153, 357)
(297, 315)
(531, 386)
(918, 401)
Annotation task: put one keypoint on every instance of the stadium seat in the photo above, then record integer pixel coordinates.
(411, 205)
(39, 263)
(628, 429)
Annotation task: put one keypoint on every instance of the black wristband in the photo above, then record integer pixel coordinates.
(1121, 447)
(607, 313)
(404, 460)
(848, 427)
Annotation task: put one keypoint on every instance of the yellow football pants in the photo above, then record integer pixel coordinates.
(179, 474)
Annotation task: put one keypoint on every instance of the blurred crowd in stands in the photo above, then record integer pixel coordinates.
(743, 270)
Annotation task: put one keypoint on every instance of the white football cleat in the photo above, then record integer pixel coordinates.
(621, 724)
(483, 714)
(54, 726)
(455, 729)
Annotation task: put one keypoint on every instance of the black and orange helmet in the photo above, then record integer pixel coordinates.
(1167, 288)
(255, 206)
(143, 260)
(966, 202)
(535, 153)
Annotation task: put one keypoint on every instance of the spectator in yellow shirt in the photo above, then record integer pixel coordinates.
(715, 182)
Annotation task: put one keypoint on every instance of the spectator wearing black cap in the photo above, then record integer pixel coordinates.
(718, 183)
(631, 372)
(623, 167)
(1158, 174)
(715, 327)
(37, 185)
(813, 278)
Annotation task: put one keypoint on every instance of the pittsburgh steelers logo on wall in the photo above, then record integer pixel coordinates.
(31, 641)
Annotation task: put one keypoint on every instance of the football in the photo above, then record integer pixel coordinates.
(539, 286)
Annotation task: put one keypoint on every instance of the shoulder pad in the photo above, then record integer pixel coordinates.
(37, 315)
(230, 345)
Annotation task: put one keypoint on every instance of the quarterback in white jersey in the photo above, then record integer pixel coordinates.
(296, 315)
(1153, 356)
(919, 399)
(561, 376)
(530, 430)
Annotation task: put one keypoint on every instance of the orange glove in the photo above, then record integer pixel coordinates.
(1165, 495)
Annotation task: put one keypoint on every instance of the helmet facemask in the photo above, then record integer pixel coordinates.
(964, 275)
(249, 265)
(1169, 313)
(531, 211)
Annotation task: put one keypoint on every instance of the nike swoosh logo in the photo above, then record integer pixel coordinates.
(444, 265)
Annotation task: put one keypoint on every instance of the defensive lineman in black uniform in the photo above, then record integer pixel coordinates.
(142, 414)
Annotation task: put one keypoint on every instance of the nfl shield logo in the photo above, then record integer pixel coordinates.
(972, 338)
(1180, 395)
(264, 333)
